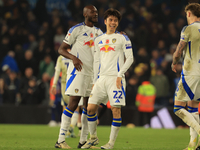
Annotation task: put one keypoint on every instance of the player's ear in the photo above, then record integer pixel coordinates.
(84, 15)
(189, 13)
(105, 21)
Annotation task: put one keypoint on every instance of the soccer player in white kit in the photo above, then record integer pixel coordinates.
(62, 64)
(80, 71)
(188, 88)
(110, 50)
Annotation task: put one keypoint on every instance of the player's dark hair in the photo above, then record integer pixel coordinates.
(194, 8)
(112, 12)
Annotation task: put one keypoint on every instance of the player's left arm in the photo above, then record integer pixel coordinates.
(128, 52)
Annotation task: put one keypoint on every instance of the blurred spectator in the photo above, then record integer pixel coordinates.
(19, 54)
(32, 24)
(145, 100)
(161, 48)
(173, 36)
(4, 30)
(25, 80)
(180, 24)
(43, 87)
(165, 16)
(161, 84)
(28, 61)
(45, 32)
(131, 91)
(12, 95)
(6, 70)
(4, 47)
(46, 66)
(30, 95)
(59, 36)
(13, 37)
(155, 34)
(10, 61)
(141, 36)
(32, 43)
(156, 57)
(142, 56)
(169, 56)
(41, 7)
(76, 7)
(39, 52)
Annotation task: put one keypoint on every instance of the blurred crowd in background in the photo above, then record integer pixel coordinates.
(32, 31)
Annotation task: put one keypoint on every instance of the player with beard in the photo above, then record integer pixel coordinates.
(80, 71)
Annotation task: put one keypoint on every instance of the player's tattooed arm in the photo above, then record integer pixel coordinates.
(179, 50)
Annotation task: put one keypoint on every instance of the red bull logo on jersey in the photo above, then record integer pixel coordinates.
(89, 43)
(107, 48)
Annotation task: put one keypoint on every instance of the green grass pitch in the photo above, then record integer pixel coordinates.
(42, 137)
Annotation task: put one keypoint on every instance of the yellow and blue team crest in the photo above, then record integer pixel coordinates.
(91, 95)
(96, 34)
(114, 40)
(76, 90)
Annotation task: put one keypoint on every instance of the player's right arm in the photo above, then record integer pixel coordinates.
(179, 50)
(69, 40)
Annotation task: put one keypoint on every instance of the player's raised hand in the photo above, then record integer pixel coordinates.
(174, 66)
(119, 82)
(77, 63)
(122, 32)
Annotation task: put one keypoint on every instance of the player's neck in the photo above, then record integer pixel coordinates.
(88, 23)
(194, 19)
(110, 32)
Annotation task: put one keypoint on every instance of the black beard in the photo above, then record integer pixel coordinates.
(90, 20)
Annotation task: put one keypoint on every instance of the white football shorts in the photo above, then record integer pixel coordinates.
(79, 85)
(105, 89)
(188, 89)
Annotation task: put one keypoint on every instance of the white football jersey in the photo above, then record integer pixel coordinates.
(81, 38)
(62, 64)
(191, 35)
(109, 52)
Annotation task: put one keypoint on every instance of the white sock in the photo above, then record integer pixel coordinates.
(65, 123)
(116, 124)
(188, 119)
(113, 134)
(92, 125)
(193, 133)
(84, 130)
(74, 119)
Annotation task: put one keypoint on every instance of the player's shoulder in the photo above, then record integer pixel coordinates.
(99, 37)
(59, 57)
(184, 28)
(77, 26)
(98, 29)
